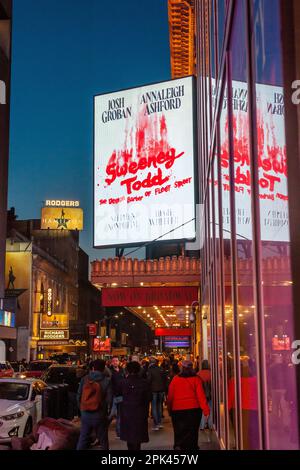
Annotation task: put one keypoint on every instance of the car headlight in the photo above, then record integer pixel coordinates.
(13, 416)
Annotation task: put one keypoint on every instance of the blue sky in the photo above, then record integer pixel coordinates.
(64, 52)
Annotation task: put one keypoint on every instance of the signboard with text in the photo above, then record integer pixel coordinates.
(62, 218)
(55, 321)
(148, 296)
(144, 186)
(177, 341)
(54, 334)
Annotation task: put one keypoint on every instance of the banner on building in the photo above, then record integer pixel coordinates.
(144, 183)
(92, 329)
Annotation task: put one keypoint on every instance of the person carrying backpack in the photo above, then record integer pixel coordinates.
(205, 376)
(94, 398)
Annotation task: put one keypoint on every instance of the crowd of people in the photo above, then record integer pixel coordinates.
(131, 391)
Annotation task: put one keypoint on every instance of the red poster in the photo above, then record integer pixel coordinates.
(92, 329)
(102, 346)
(281, 344)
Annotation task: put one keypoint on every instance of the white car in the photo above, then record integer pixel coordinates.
(20, 406)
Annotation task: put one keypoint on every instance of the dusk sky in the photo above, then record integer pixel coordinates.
(64, 52)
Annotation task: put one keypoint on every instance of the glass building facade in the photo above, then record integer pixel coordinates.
(248, 172)
(5, 63)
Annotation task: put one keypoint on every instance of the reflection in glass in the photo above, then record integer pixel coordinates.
(227, 262)
(275, 242)
(244, 244)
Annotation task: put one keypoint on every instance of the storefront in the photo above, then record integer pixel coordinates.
(249, 277)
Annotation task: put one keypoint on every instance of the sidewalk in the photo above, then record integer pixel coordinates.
(163, 439)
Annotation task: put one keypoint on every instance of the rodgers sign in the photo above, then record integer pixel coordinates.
(54, 334)
(62, 218)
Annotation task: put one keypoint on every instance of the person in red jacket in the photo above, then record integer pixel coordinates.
(186, 401)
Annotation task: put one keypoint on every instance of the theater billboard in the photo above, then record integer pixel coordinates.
(144, 154)
(62, 218)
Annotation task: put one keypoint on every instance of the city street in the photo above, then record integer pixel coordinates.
(149, 226)
(163, 439)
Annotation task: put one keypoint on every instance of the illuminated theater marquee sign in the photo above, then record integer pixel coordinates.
(144, 164)
(54, 334)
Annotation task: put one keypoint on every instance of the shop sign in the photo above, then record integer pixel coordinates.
(54, 334)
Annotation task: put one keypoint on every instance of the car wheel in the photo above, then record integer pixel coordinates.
(28, 427)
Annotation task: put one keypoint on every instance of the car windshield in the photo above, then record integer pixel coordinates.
(14, 391)
(3, 366)
(36, 366)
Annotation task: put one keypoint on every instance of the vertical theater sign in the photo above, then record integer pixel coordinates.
(144, 164)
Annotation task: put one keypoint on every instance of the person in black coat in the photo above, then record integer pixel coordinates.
(157, 382)
(134, 408)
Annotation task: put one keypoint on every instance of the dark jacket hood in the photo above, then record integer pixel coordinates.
(97, 375)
